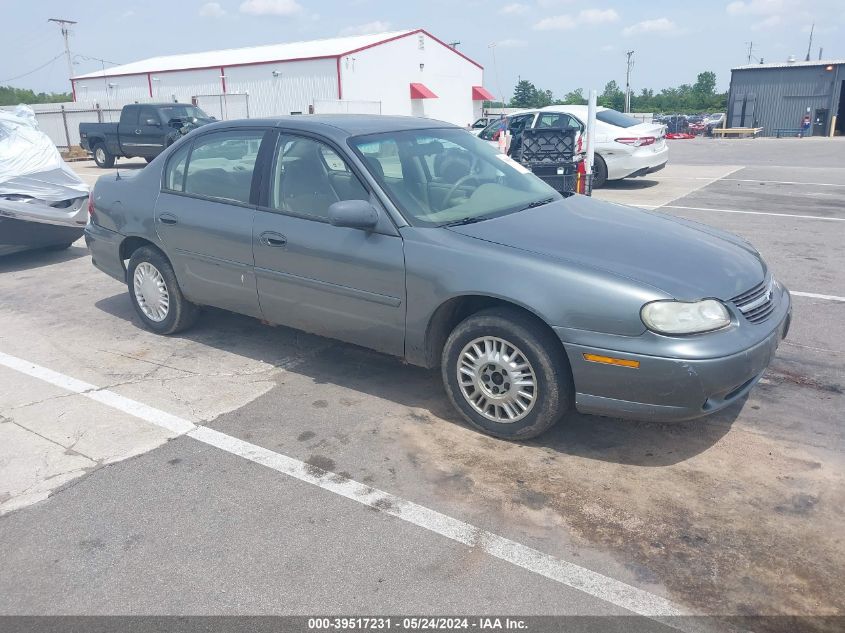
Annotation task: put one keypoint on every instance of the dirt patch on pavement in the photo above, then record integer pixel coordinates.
(730, 522)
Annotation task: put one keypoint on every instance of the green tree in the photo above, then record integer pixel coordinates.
(14, 96)
(524, 95)
(612, 96)
(575, 97)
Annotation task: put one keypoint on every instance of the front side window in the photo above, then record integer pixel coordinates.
(182, 111)
(309, 176)
(440, 176)
(221, 164)
(554, 119)
(490, 132)
(148, 114)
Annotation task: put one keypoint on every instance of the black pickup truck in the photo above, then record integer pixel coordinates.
(145, 129)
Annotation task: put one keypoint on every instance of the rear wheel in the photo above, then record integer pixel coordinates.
(102, 156)
(156, 295)
(506, 374)
(599, 172)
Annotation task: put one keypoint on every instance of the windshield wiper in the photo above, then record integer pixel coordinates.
(537, 203)
(466, 220)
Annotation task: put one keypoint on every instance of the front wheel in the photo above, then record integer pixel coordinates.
(156, 295)
(506, 374)
(102, 156)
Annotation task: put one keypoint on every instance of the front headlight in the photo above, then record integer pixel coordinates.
(678, 317)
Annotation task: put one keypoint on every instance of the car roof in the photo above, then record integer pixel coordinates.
(340, 124)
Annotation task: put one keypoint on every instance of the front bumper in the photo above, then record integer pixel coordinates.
(672, 389)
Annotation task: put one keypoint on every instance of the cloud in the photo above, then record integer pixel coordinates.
(514, 9)
(586, 16)
(212, 10)
(659, 25)
(769, 23)
(511, 43)
(271, 7)
(376, 26)
(755, 7)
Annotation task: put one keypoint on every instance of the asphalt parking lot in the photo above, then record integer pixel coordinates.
(246, 469)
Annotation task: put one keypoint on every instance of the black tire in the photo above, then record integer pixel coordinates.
(599, 172)
(102, 156)
(181, 313)
(542, 350)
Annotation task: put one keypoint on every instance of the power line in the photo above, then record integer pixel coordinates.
(34, 70)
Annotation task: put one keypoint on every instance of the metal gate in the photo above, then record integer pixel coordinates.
(223, 106)
(340, 106)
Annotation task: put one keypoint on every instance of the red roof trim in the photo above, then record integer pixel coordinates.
(297, 59)
(222, 78)
(150, 85)
(480, 93)
(73, 89)
(421, 91)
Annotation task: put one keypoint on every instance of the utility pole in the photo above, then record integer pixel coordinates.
(750, 50)
(454, 45)
(810, 44)
(64, 25)
(630, 55)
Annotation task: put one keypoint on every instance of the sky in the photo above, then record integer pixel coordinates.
(559, 45)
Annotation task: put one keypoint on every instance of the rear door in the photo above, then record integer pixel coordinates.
(204, 217)
(340, 282)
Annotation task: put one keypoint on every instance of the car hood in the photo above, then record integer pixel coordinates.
(684, 259)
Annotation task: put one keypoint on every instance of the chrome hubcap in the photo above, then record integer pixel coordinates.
(151, 292)
(101, 155)
(497, 380)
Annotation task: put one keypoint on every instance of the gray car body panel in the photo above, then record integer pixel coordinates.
(582, 266)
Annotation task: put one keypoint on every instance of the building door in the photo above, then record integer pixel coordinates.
(820, 122)
(737, 111)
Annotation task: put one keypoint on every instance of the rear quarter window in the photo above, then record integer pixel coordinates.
(612, 117)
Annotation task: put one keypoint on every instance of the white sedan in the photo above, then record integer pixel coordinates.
(625, 147)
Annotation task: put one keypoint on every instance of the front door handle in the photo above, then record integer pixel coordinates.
(137, 131)
(168, 218)
(269, 238)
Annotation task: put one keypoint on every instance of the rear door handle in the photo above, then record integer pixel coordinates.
(168, 218)
(269, 238)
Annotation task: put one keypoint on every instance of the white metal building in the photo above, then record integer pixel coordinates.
(405, 72)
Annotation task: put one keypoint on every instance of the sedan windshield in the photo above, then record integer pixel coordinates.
(442, 176)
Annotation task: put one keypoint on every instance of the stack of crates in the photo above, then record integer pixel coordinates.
(550, 154)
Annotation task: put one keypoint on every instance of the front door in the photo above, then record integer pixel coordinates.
(340, 282)
(204, 217)
(148, 135)
(820, 122)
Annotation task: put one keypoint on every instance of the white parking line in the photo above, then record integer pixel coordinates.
(813, 295)
(590, 582)
(785, 215)
(769, 182)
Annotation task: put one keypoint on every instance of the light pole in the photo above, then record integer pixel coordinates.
(492, 47)
(630, 55)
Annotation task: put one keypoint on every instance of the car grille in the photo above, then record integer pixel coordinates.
(757, 304)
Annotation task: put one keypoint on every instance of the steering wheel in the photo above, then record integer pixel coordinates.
(454, 188)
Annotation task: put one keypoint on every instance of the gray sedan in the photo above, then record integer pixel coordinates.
(415, 238)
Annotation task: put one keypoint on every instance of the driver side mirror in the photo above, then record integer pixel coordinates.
(353, 214)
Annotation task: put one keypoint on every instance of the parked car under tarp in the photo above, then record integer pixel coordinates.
(42, 201)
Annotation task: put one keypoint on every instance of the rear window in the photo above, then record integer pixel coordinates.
(612, 117)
